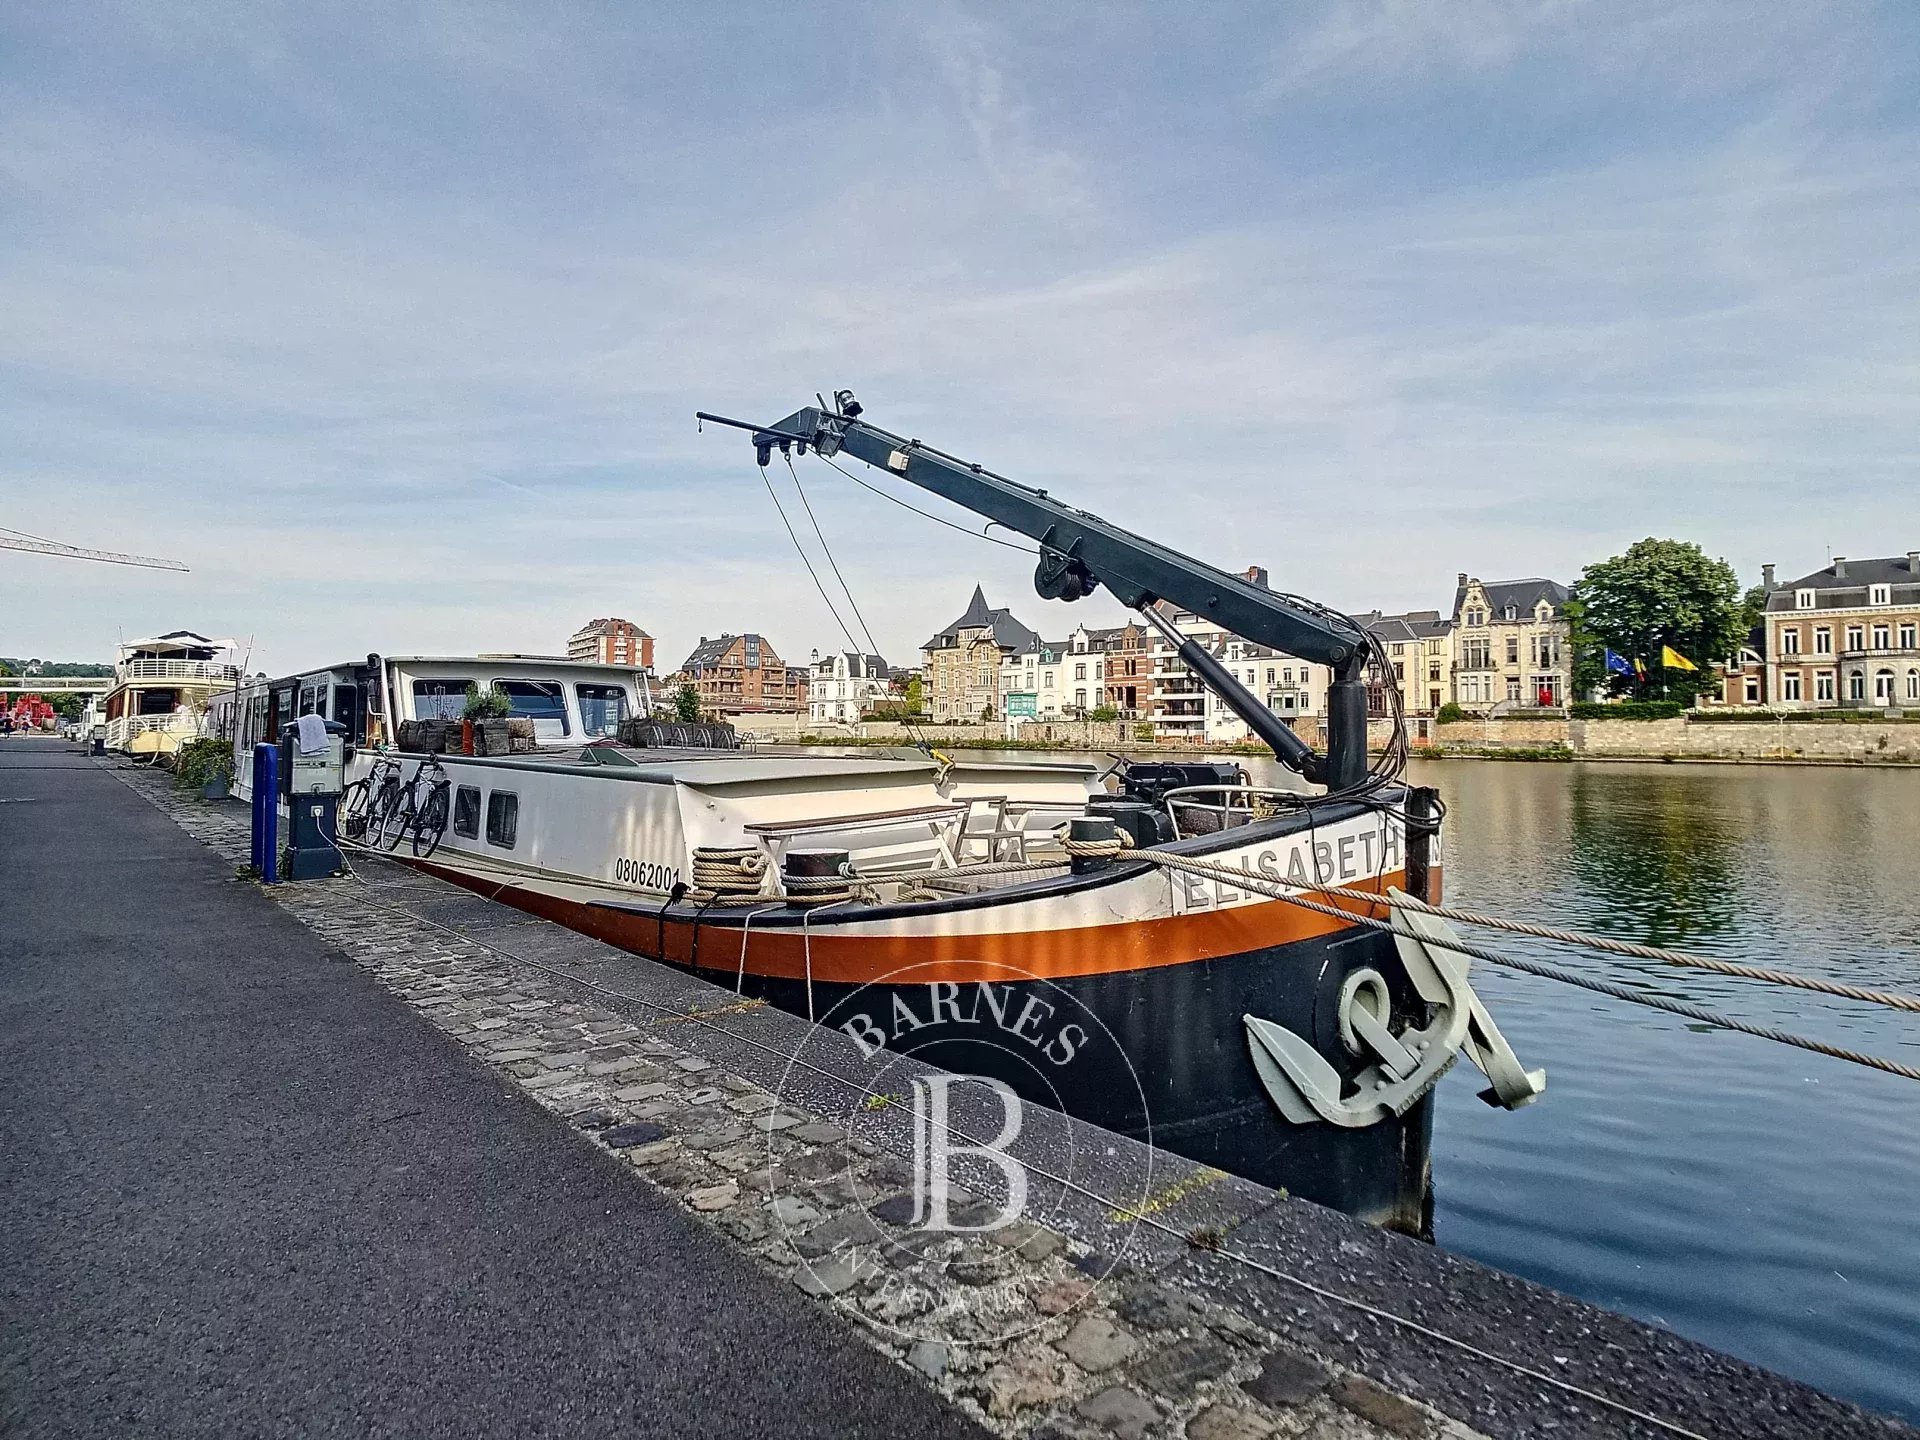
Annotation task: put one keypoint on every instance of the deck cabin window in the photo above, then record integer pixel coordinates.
(542, 701)
(158, 702)
(313, 696)
(602, 708)
(466, 811)
(503, 818)
(440, 698)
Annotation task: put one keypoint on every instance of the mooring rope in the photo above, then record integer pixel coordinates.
(728, 875)
(1240, 880)
(1892, 999)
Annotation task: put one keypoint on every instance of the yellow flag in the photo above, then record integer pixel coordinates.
(1672, 659)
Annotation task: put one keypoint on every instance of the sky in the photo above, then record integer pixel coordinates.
(390, 321)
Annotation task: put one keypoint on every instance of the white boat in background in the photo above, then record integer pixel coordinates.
(163, 689)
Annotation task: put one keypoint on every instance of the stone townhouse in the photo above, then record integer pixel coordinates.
(1127, 651)
(966, 661)
(1419, 646)
(1510, 643)
(844, 686)
(1847, 636)
(741, 674)
(1071, 677)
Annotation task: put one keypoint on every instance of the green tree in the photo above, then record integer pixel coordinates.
(1658, 593)
(68, 706)
(686, 705)
(916, 694)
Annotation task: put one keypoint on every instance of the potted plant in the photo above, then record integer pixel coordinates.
(484, 721)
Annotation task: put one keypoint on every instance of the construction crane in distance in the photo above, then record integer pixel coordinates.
(40, 545)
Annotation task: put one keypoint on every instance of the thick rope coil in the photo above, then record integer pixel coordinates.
(1890, 998)
(727, 875)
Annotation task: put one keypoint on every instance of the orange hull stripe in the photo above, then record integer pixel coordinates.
(862, 959)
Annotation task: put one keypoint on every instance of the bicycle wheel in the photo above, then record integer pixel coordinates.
(431, 823)
(394, 812)
(354, 802)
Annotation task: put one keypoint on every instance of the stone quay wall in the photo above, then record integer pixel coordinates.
(1888, 742)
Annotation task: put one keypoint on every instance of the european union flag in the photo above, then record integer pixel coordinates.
(1618, 664)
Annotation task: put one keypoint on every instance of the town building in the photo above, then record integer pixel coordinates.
(1178, 705)
(844, 686)
(741, 674)
(612, 641)
(1056, 679)
(1292, 689)
(1128, 653)
(1847, 636)
(966, 662)
(1510, 643)
(1419, 646)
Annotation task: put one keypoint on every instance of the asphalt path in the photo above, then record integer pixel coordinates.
(245, 1192)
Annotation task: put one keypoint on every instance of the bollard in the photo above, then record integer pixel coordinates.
(1086, 829)
(1422, 807)
(266, 813)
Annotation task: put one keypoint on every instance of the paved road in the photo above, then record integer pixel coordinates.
(243, 1192)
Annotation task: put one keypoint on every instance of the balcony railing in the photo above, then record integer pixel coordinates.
(205, 672)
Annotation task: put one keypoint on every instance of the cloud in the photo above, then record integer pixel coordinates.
(394, 329)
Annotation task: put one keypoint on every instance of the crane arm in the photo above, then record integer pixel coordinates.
(1080, 551)
(75, 552)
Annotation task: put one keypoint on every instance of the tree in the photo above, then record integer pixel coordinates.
(686, 705)
(1659, 593)
(916, 694)
(68, 706)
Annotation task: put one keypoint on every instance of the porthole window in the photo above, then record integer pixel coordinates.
(466, 811)
(503, 818)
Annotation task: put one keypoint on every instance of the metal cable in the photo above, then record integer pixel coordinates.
(1890, 998)
(1240, 880)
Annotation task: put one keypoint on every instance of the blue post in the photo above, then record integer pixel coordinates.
(266, 813)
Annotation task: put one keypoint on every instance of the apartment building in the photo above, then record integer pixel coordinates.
(612, 641)
(1847, 636)
(741, 674)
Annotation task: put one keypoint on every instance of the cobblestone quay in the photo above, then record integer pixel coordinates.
(1143, 1297)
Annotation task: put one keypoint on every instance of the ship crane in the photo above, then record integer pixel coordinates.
(39, 545)
(1080, 552)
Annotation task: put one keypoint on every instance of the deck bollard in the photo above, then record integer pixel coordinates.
(266, 813)
(1091, 830)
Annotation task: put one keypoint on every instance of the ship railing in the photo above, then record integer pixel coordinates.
(1229, 806)
(204, 671)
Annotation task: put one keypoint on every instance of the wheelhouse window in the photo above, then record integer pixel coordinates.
(602, 708)
(466, 811)
(503, 818)
(439, 699)
(542, 701)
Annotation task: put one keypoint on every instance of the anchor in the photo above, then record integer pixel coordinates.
(1405, 1066)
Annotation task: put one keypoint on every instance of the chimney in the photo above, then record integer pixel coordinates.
(1913, 562)
(1766, 576)
(1463, 578)
(1839, 567)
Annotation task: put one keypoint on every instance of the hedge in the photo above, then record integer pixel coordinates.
(1627, 710)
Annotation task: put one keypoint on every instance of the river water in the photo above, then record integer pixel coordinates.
(1758, 1198)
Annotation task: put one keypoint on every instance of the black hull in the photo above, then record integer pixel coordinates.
(1181, 1075)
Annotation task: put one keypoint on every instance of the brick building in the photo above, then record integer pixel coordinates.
(612, 641)
(741, 674)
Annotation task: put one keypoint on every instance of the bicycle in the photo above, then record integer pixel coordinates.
(425, 819)
(369, 800)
